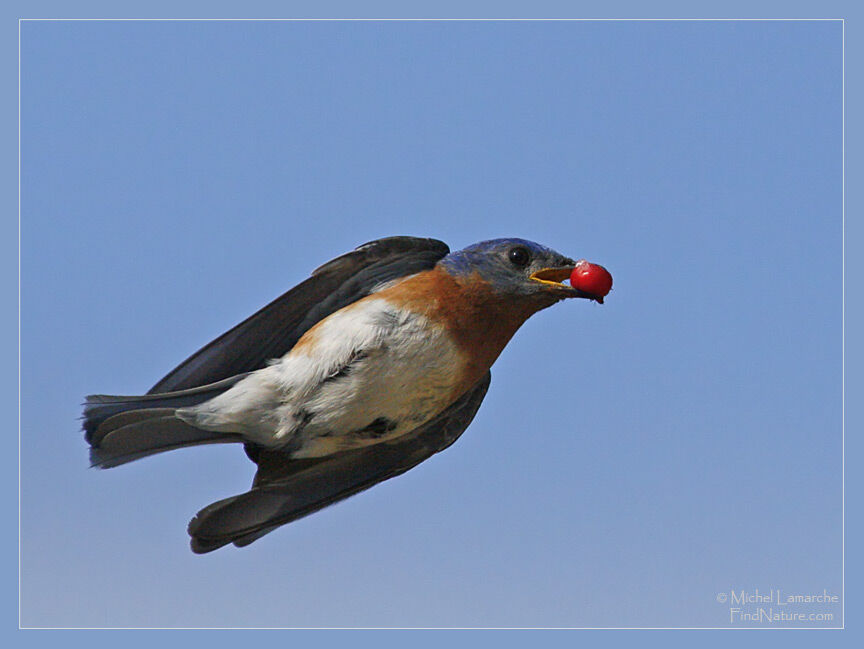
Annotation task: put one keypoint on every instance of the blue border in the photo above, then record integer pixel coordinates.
(854, 313)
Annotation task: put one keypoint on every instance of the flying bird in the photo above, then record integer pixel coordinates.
(373, 364)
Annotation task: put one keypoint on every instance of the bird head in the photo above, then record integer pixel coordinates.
(517, 269)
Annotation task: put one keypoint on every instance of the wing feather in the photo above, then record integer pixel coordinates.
(273, 331)
(285, 489)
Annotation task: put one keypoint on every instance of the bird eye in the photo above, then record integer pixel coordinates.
(519, 256)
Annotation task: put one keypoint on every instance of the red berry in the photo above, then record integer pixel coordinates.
(591, 278)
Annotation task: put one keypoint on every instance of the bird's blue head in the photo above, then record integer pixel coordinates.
(517, 268)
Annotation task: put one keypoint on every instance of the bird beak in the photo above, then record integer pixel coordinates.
(553, 278)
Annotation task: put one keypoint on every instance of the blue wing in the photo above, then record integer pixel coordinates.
(273, 331)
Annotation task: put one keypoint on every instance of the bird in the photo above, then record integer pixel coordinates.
(376, 362)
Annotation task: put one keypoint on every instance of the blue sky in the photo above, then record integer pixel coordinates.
(630, 462)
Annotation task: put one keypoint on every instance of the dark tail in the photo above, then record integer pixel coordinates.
(122, 429)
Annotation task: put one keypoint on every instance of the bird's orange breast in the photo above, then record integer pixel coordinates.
(479, 320)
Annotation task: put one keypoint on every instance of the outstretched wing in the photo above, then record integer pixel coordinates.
(285, 489)
(273, 331)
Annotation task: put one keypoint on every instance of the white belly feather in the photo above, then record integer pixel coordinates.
(368, 373)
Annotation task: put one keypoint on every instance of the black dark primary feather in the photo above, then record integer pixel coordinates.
(273, 331)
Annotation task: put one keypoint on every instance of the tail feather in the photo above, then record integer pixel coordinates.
(122, 419)
(100, 407)
(151, 435)
(121, 429)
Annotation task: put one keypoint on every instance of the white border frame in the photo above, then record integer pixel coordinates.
(843, 308)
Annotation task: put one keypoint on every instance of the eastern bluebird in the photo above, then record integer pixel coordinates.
(375, 363)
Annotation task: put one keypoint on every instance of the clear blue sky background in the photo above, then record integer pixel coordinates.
(630, 461)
